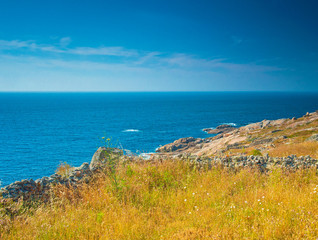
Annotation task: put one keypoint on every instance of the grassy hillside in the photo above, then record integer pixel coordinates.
(172, 200)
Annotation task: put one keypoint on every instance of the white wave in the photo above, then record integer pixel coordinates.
(231, 124)
(131, 130)
(146, 156)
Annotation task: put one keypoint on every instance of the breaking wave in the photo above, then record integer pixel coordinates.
(231, 124)
(131, 130)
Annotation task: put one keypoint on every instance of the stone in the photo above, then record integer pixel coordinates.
(179, 144)
(102, 155)
(314, 137)
(225, 128)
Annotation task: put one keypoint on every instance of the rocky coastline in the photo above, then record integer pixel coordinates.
(209, 152)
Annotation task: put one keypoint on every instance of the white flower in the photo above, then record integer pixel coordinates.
(185, 200)
(189, 212)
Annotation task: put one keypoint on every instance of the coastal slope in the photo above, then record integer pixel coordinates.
(276, 138)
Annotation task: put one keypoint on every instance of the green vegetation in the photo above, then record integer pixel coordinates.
(255, 152)
(172, 199)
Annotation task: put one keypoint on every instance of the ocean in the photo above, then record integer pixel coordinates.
(39, 131)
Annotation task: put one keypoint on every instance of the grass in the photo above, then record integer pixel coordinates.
(64, 169)
(255, 152)
(174, 200)
(299, 149)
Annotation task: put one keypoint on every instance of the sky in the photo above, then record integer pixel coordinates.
(158, 45)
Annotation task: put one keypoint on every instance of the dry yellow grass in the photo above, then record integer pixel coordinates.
(171, 200)
(299, 149)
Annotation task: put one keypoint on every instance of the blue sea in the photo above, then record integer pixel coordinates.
(39, 131)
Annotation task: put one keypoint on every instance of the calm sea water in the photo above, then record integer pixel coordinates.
(38, 131)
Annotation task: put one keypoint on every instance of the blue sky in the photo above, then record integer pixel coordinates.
(161, 45)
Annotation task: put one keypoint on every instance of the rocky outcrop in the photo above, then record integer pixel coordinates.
(40, 189)
(313, 138)
(264, 135)
(180, 144)
(262, 163)
(225, 128)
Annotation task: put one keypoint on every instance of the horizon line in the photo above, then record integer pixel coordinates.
(233, 91)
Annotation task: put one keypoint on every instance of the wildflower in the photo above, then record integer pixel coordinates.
(263, 197)
(185, 200)
(207, 193)
(189, 212)
(193, 194)
(259, 200)
(245, 201)
(185, 187)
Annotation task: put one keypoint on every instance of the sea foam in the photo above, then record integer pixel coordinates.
(231, 124)
(131, 130)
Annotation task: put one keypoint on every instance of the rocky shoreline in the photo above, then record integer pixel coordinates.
(209, 152)
(40, 188)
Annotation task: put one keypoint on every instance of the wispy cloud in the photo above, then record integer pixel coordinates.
(107, 51)
(127, 58)
(61, 48)
(65, 41)
(188, 61)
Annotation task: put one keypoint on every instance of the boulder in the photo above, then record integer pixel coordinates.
(102, 155)
(313, 138)
(98, 158)
(179, 144)
(225, 128)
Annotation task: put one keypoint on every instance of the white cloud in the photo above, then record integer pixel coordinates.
(65, 41)
(130, 59)
(107, 51)
(61, 48)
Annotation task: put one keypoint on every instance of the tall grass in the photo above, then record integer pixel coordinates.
(173, 200)
(299, 149)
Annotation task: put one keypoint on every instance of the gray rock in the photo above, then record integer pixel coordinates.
(98, 158)
(313, 138)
